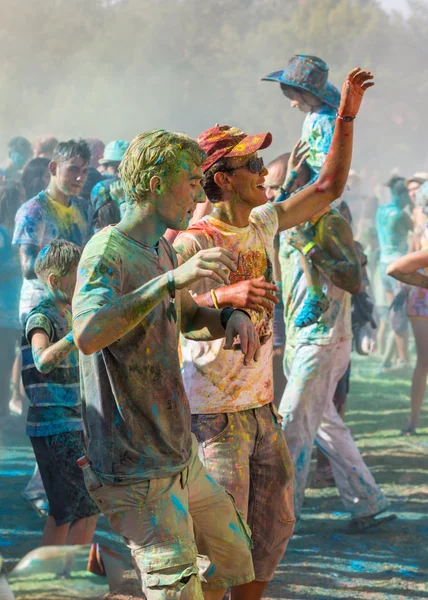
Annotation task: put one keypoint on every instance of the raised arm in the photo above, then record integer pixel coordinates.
(334, 173)
(406, 269)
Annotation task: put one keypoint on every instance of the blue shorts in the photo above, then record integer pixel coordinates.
(62, 478)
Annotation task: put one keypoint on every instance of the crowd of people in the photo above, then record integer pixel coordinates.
(178, 320)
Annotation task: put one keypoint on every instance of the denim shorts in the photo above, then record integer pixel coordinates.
(62, 478)
(247, 454)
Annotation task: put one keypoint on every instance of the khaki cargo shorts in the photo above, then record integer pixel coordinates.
(175, 524)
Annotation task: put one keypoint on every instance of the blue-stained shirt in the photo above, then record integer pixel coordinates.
(55, 405)
(318, 129)
(392, 226)
(41, 220)
(10, 282)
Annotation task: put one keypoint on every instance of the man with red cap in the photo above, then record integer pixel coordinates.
(233, 417)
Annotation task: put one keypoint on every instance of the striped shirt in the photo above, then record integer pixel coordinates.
(54, 397)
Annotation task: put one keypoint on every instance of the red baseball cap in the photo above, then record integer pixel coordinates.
(223, 141)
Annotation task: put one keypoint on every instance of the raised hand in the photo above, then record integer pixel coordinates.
(356, 83)
(205, 263)
(297, 157)
(299, 237)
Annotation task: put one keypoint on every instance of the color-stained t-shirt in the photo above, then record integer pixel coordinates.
(334, 325)
(10, 282)
(135, 410)
(41, 220)
(392, 232)
(216, 380)
(55, 396)
(317, 131)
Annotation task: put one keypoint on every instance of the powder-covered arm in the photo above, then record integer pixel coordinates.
(200, 323)
(46, 355)
(406, 269)
(101, 316)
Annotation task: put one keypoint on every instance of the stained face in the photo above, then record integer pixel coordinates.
(412, 188)
(247, 186)
(177, 204)
(71, 175)
(68, 284)
(274, 180)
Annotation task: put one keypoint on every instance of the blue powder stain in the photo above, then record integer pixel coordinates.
(178, 505)
(210, 479)
(234, 528)
(211, 570)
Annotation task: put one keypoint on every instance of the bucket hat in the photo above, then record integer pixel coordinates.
(308, 74)
(114, 152)
(223, 141)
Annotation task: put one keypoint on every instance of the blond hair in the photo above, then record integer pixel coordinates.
(155, 153)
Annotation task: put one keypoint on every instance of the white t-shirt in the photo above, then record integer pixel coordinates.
(216, 380)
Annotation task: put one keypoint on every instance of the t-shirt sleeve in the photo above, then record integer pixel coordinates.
(29, 225)
(189, 243)
(266, 220)
(98, 275)
(319, 140)
(38, 321)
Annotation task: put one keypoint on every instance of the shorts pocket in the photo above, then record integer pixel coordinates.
(173, 583)
(243, 525)
(210, 428)
(275, 413)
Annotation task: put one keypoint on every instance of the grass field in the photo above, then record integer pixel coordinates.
(322, 562)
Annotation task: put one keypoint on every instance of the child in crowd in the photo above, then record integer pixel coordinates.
(50, 374)
(305, 82)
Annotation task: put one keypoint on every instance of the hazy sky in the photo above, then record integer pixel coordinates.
(400, 5)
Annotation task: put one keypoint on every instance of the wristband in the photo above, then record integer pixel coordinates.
(171, 312)
(225, 315)
(306, 249)
(171, 284)
(214, 299)
(346, 119)
(69, 337)
(227, 312)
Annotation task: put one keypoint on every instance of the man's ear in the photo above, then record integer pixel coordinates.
(53, 281)
(155, 185)
(53, 168)
(222, 179)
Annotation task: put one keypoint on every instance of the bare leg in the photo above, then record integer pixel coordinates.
(82, 531)
(382, 334)
(53, 535)
(401, 339)
(279, 379)
(249, 591)
(419, 380)
(214, 594)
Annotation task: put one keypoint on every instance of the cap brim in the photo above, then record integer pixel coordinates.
(275, 76)
(104, 161)
(251, 144)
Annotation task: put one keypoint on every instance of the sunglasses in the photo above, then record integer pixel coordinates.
(255, 165)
